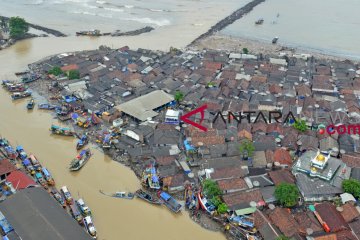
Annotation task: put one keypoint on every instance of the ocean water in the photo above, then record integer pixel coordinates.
(327, 26)
(70, 16)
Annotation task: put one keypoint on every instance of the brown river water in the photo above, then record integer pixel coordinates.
(114, 218)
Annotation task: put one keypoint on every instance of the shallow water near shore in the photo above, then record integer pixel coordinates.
(114, 218)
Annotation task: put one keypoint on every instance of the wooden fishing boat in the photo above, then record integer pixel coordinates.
(150, 177)
(61, 131)
(67, 195)
(124, 195)
(80, 160)
(147, 197)
(4, 83)
(21, 152)
(40, 179)
(35, 162)
(30, 105)
(21, 73)
(58, 197)
(169, 201)
(30, 78)
(205, 204)
(89, 225)
(76, 214)
(85, 210)
(46, 106)
(10, 152)
(84, 140)
(4, 142)
(28, 166)
(49, 179)
(275, 39)
(15, 87)
(20, 95)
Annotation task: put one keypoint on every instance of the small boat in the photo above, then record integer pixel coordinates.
(21, 152)
(35, 162)
(119, 194)
(89, 225)
(21, 73)
(147, 197)
(30, 105)
(67, 195)
(84, 140)
(85, 210)
(151, 178)
(243, 221)
(4, 83)
(30, 78)
(275, 39)
(10, 152)
(80, 160)
(16, 87)
(46, 106)
(49, 179)
(89, 33)
(205, 204)
(259, 21)
(28, 166)
(40, 179)
(20, 95)
(76, 214)
(58, 197)
(169, 201)
(4, 142)
(61, 131)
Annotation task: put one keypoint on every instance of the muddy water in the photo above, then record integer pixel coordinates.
(114, 218)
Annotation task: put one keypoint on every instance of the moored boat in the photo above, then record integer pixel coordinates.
(80, 160)
(40, 179)
(35, 162)
(147, 197)
(49, 179)
(89, 225)
(124, 195)
(30, 78)
(205, 204)
(15, 87)
(58, 197)
(84, 209)
(84, 140)
(46, 106)
(10, 152)
(30, 105)
(169, 201)
(76, 214)
(28, 166)
(61, 131)
(275, 39)
(67, 195)
(20, 95)
(151, 178)
(21, 152)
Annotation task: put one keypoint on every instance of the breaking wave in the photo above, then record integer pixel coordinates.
(160, 23)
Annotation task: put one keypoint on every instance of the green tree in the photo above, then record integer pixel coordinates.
(216, 201)
(247, 148)
(287, 194)
(352, 186)
(300, 125)
(73, 74)
(245, 50)
(18, 27)
(282, 237)
(211, 189)
(222, 208)
(56, 71)
(179, 96)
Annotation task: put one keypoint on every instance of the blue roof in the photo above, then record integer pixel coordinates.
(26, 162)
(153, 170)
(165, 196)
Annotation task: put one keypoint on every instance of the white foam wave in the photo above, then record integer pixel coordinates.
(159, 22)
(100, 2)
(128, 6)
(114, 9)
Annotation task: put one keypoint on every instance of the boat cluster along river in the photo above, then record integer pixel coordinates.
(113, 218)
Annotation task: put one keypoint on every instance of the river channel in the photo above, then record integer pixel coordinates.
(114, 218)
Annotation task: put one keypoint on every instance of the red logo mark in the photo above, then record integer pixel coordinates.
(185, 118)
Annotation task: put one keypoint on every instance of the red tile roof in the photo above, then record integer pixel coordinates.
(212, 65)
(331, 216)
(349, 212)
(282, 176)
(6, 167)
(351, 160)
(345, 235)
(232, 184)
(282, 156)
(70, 67)
(20, 180)
(227, 173)
(283, 219)
(242, 198)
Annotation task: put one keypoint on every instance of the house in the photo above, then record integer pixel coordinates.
(308, 220)
(282, 176)
(227, 173)
(351, 160)
(259, 159)
(242, 199)
(283, 157)
(350, 212)
(20, 180)
(165, 160)
(232, 185)
(283, 219)
(6, 167)
(328, 213)
(174, 183)
(141, 133)
(165, 135)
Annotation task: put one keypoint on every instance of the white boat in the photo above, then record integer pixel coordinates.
(67, 195)
(85, 210)
(207, 206)
(90, 227)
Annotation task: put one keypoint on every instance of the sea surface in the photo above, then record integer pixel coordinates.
(326, 26)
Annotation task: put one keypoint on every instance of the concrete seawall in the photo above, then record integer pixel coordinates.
(229, 20)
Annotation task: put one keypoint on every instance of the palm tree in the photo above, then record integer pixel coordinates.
(179, 96)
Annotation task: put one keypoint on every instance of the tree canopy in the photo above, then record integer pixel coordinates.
(74, 74)
(211, 189)
(282, 237)
(287, 194)
(179, 96)
(56, 71)
(247, 147)
(245, 50)
(222, 208)
(352, 186)
(300, 125)
(18, 27)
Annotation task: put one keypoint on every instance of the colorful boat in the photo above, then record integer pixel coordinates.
(10, 152)
(61, 131)
(124, 195)
(15, 87)
(85, 210)
(21, 152)
(35, 162)
(205, 204)
(67, 195)
(84, 140)
(80, 160)
(49, 179)
(28, 166)
(151, 178)
(30, 78)
(147, 197)
(46, 106)
(31, 104)
(89, 225)
(243, 221)
(169, 201)
(40, 179)
(58, 197)
(76, 214)
(4, 142)
(20, 95)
